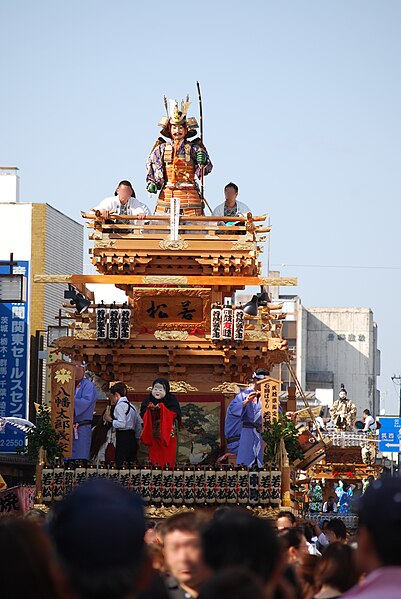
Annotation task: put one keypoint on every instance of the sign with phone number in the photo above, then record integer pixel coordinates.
(14, 352)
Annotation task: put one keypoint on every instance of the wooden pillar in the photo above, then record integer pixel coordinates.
(40, 463)
(292, 402)
(286, 483)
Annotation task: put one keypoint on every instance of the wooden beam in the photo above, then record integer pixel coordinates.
(154, 280)
(160, 217)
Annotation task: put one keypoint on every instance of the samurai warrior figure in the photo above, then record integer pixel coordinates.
(173, 165)
(343, 412)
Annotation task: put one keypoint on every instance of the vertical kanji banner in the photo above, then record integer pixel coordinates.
(14, 354)
(269, 394)
(62, 402)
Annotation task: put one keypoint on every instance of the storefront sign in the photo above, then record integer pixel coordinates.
(14, 352)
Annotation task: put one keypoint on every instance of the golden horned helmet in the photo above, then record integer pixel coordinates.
(177, 116)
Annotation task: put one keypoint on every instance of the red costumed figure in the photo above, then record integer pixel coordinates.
(161, 415)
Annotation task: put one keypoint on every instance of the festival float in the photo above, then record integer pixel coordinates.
(180, 271)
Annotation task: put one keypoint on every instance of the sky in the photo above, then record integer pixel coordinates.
(301, 103)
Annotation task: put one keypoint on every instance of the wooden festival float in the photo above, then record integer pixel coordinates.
(179, 322)
(337, 463)
(343, 470)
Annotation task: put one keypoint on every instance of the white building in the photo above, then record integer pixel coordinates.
(42, 240)
(339, 345)
(331, 346)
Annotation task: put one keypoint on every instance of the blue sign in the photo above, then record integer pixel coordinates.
(14, 352)
(390, 434)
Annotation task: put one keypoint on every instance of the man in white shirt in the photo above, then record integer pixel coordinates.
(370, 423)
(124, 202)
(231, 207)
(128, 425)
(330, 505)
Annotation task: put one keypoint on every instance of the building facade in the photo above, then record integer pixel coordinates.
(45, 241)
(339, 345)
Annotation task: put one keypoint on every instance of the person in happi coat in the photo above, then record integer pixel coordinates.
(85, 397)
(174, 165)
(123, 202)
(243, 424)
(161, 414)
(231, 206)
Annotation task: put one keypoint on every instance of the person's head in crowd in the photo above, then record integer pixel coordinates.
(27, 566)
(151, 532)
(233, 583)
(336, 568)
(36, 515)
(323, 524)
(379, 533)
(308, 530)
(98, 533)
(154, 545)
(285, 520)
(182, 547)
(306, 571)
(237, 538)
(156, 556)
(331, 500)
(294, 543)
(336, 531)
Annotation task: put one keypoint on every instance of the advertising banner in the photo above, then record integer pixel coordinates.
(14, 353)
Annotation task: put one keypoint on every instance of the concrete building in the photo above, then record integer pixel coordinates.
(339, 345)
(41, 240)
(331, 346)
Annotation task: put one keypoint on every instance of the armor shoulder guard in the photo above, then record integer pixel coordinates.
(157, 143)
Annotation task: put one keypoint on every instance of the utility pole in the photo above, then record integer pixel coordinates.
(397, 380)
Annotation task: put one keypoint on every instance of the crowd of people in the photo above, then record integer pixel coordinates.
(97, 544)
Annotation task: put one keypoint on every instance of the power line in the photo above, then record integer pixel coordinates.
(338, 266)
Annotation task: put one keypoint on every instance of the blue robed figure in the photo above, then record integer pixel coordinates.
(85, 397)
(243, 424)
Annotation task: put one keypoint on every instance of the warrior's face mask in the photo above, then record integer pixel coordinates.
(178, 132)
(158, 391)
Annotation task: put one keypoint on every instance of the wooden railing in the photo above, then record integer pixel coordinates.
(158, 226)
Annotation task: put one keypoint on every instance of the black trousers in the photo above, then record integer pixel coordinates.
(126, 447)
